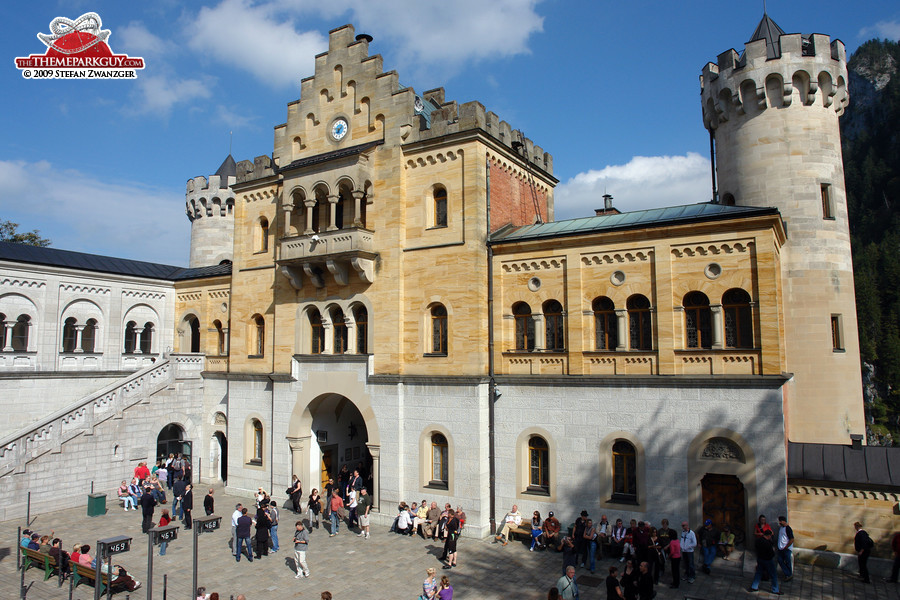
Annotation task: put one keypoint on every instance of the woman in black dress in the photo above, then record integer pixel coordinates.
(262, 531)
(313, 508)
(450, 541)
(296, 493)
(630, 580)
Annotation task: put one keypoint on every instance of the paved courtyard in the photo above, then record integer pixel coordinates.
(386, 566)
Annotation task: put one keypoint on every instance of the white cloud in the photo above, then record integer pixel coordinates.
(82, 213)
(266, 39)
(158, 94)
(449, 33)
(643, 182)
(883, 30)
(257, 39)
(138, 41)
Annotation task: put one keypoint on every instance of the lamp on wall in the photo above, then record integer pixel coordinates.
(322, 436)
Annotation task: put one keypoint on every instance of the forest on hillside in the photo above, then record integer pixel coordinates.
(870, 131)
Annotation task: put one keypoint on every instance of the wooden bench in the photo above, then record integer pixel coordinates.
(32, 558)
(80, 572)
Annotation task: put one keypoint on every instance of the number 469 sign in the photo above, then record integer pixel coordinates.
(114, 545)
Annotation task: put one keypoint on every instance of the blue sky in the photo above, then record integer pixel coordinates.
(609, 88)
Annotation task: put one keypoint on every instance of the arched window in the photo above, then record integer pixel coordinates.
(524, 326)
(697, 321)
(439, 460)
(257, 442)
(624, 465)
(317, 332)
(640, 335)
(738, 319)
(440, 207)
(195, 334)
(20, 334)
(220, 337)
(553, 318)
(606, 326)
(340, 331)
(438, 329)
(89, 336)
(344, 200)
(147, 338)
(538, 464)
(2, 331)
(130, 338)
(69, 335)
(263, 234)
(259, 326)
(361, 316)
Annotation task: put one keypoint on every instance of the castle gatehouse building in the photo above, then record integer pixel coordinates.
(388, 289)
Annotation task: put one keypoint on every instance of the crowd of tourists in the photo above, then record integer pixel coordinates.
(646, 551)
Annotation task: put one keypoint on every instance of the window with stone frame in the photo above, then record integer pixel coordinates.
(317, 332)
(524, 326)
(697, 321)
(439, 460)
(640, 334)
(554, 326)
(130, 337)
(440, 207)
(606, 325)
(624, 463)
(738, 319)
(20, 333)
(339, 326)
(361, 317)
(439, 338)
(538, 464)
(256, 457)
(69, 334)
(89, 336)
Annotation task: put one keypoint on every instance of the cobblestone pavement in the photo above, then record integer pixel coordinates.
(385, 566)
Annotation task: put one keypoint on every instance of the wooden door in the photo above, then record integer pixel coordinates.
(723, 503)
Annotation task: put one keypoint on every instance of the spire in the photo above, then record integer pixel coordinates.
(770, 31)
(227, 169)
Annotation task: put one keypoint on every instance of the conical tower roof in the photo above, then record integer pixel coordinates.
(770, 31)
(227, 169)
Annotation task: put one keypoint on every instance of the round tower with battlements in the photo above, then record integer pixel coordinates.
(210, 207)
(773, 114)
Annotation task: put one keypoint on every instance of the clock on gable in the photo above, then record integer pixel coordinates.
(339, 129)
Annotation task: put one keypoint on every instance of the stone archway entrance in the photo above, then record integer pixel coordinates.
(171, 441)
(335, 432)
(724, 501)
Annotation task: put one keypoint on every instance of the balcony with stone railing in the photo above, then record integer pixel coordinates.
(341, 254)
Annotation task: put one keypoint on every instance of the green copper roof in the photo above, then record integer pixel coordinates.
(654, 217)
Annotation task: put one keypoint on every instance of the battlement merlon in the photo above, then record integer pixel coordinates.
(453, 118)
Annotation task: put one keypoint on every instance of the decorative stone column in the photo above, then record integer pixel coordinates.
(288, 227)
(332, 212)
(328, 330)
(8, 326)
(716, 316)
(351, 333)
(299, 464)
(79, 331)
(310, 205)
(540, 333)
(357, 205)
(138, 332)
(621, 330)
(375, 452)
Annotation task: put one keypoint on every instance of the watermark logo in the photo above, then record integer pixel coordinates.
(78, 50)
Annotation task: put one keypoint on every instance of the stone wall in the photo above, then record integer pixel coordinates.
(822, 517)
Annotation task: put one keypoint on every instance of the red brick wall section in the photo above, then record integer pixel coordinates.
(511, 199)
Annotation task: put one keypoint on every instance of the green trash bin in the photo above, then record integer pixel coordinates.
(96, 505)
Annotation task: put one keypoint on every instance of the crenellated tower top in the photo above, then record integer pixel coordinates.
(209, 204)
(776, 70)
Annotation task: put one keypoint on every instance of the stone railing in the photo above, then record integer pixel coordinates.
(327, 243)
(50, 433)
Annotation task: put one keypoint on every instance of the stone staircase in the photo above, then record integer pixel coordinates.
(58, 457)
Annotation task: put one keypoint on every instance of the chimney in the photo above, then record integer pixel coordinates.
(856, 441)
(607, 202)
(608, 208)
